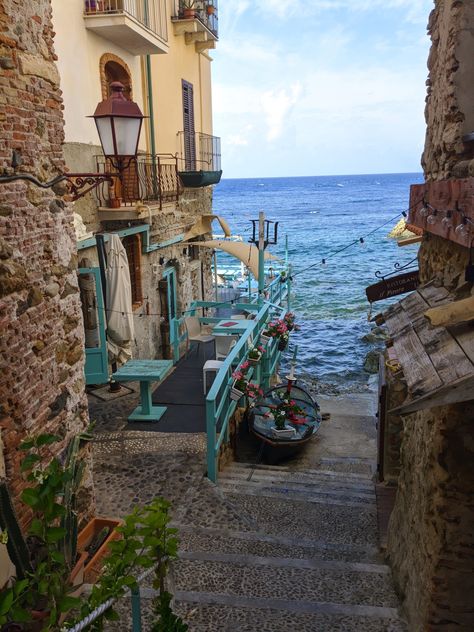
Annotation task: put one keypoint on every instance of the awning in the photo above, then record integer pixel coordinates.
(202, 226)
(118, 301)
(247, 253)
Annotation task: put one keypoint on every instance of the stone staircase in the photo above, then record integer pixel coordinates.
(292, 549)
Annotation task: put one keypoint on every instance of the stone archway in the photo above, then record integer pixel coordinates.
(113, 68)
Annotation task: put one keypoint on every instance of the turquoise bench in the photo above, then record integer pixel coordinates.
(145, 372)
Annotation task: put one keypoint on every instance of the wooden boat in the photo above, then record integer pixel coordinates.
(299, 428)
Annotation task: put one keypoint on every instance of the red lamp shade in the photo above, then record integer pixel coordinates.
(119, 122)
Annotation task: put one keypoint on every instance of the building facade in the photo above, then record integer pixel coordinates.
(159, 53)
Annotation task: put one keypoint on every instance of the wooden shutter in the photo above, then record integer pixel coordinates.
(188, 127)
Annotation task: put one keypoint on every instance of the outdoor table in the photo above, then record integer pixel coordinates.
(145, 372)
(231, 327)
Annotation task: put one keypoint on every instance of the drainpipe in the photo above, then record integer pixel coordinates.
(150, 105)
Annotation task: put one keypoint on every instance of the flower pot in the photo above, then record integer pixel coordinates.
(115, 202)
(95, 559)
(254, 361)
(91, 6)
(284, 433)
(76, 578)
(282, 344)
(210, 10)
(264, 339)
(189, 13)
(235, 394)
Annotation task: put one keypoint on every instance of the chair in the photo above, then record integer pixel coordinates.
(195, 331)
(223, 346)
(210, 365)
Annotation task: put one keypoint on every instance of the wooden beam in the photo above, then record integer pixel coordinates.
(409, 241)
(460, 391)
(451, 313)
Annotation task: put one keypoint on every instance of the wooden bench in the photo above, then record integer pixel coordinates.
(145, 372)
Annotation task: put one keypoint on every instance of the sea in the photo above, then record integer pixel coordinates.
(321, 215)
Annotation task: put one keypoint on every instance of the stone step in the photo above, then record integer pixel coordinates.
(315, 477)
(298, 481)
(196, 539)
(327, 496)
(209, 613)
(270, 580)
(334, 469)
(331, 522)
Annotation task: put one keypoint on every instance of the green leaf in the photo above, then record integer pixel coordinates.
(29, 461)
(58, 557)
(54, 534)
(20, 614)
(46, 439)
(27, 444)
(20, 586)
(31, 497)
(111, 615)
(6, 602)
(36, 528)
(68, 603)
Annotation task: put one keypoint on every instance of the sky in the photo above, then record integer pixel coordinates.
(320, 87)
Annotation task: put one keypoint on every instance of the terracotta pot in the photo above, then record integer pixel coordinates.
(189, 13)
(115, 202)
(93, 566)
(210, 10)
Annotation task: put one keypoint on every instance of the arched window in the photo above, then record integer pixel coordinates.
(112, 68)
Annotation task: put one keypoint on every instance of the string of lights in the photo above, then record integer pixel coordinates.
(432, 215)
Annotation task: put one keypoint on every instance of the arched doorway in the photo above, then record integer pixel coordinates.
(112, 68)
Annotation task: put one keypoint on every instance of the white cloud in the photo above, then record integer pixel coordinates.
(276, 106)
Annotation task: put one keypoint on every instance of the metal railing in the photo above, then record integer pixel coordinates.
(147, 178)
(206, 11)
(150, 13)
(219, 407)
(199, 152)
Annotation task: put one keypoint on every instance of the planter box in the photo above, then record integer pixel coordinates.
(254, 361)
(285, 433)
(93, 566)
(235, 394)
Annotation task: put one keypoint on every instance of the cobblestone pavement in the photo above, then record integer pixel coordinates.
(293, 549)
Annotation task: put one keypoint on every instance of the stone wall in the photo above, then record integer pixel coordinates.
(41, 343)
(431, 536)
(431, 531)
(449, 113)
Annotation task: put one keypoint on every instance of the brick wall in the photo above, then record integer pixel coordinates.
(41, 339)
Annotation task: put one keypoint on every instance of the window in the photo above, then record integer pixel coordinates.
(133, 247)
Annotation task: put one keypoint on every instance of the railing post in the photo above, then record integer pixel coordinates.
(211, 440)
(136, 610)
(288, 288)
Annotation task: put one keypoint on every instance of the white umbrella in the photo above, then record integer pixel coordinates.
(120, 330)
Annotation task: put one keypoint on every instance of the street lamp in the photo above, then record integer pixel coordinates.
(119, 122)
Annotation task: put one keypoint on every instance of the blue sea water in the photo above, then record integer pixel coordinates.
(321, 215)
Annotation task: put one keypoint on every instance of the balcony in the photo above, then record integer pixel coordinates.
(197, 20)
(148, 181)
(138, 26)
(199, 159)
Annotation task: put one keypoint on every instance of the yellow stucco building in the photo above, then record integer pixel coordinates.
(159, 51)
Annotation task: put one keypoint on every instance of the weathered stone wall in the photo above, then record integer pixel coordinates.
(449, 113)
(431, 535)
(431, 531)
(41, 340)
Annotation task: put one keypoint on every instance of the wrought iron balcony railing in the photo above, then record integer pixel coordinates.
(205, 11)
(199, 152)
(148, 178)
(149, 13)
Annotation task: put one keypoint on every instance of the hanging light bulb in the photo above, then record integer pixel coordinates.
(425, 211)
(323, 263)
(362, 242)
(462, 229)
(431, 219)
(447, 222)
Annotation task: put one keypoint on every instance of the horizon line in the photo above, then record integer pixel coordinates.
(335, 175)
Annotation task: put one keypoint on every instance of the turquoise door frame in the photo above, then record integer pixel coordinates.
(96, 368)
(170, 276)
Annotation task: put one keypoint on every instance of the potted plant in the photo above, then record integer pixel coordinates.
(46, 560)
(238, 388)
(189, 8)
(277, 330)
(286, 411)
(252, 390)
(255, 354)
(289, 320)
(146, 541)
(210, 9)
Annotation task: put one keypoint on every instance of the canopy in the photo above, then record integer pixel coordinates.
(118, 302)
(247, 253)
(203, 226)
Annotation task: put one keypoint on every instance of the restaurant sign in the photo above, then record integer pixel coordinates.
(393, 286)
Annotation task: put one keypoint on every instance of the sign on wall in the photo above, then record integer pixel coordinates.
(400, 284)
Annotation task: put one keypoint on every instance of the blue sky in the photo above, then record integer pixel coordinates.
(320, 87)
